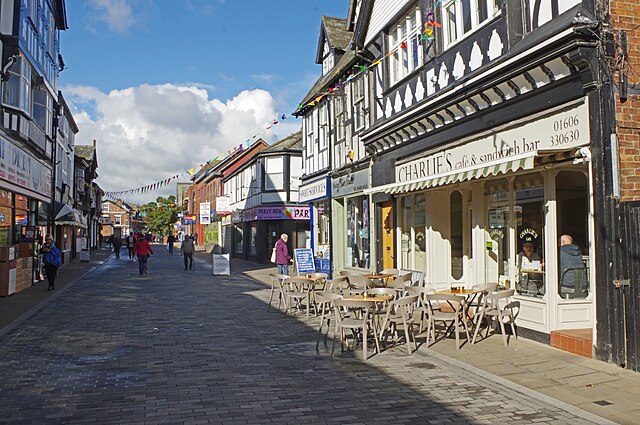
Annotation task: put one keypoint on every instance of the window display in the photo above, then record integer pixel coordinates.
(357, 252)
(529, 224)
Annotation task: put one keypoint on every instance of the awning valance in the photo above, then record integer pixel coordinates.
(71, 218)
(524, 161)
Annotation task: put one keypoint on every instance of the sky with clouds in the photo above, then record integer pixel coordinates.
(163, 85)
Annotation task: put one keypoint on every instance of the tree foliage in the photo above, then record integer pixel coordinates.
(161, 215)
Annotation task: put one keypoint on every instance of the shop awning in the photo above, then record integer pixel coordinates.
(69, 216)
(524, 161)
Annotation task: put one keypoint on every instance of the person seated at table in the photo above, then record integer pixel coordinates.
(570, 265)
(528, 260)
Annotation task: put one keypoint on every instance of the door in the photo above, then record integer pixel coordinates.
(387, 240)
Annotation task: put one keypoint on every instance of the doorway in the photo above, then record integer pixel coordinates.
(388, 235)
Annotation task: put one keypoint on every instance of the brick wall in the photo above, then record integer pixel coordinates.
(625, 15)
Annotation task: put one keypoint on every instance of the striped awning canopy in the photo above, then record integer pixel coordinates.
(521, 162)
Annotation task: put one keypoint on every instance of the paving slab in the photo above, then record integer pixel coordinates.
(180, 346)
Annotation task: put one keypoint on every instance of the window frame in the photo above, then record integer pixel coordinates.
(452, 38)
(407, 30)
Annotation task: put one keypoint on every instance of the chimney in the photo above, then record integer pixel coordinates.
(94, 143)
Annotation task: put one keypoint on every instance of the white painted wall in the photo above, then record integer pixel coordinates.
(383, 11)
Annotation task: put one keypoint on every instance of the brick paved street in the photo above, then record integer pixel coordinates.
(181, 346)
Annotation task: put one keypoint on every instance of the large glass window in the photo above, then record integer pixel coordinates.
(529, 224)
(404, 41)
(323, 218)
(17, 89)
(5, 217)
(572, 199)
(358, 95)
(275, 173)
(239, 245)
(43, 110)
(405, 236)
(357, 252)
(498, 213)
(413, 236)
(463, 16)
(456, 226)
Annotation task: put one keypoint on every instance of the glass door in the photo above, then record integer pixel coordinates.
(497, 233)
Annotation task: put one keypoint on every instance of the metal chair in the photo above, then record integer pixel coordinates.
(454, 318)
(355, 316)
(276, 285)
(325, 303)
(400, 312)
(492, 309)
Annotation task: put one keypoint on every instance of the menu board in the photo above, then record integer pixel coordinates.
(304, 260)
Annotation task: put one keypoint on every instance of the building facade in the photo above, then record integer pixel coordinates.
(30, 66)
(263, 199)
(495, 131)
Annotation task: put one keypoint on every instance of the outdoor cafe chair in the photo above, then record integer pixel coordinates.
(297, 289)
(337, 285)
(421, 304)
(355, 316)
(277, 281)
(401, 283)
(492, 309)
(325, 304)
(348, 273)
(358, 283)
(454, 317)
(484, 290)
(394, 272)
(400, 312)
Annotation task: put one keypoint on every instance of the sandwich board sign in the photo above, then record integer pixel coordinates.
(304, 260)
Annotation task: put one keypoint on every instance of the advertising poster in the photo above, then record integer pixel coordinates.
(205, 213)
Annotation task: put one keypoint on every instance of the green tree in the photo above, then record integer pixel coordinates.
(162, 214)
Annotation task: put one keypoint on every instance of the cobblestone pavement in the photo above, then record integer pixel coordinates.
(185, 347)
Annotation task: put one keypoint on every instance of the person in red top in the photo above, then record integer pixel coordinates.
(143, 250)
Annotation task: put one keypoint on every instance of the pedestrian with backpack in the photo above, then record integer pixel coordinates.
(187, 247)
(52, 261)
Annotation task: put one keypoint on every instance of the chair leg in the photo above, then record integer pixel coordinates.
(478, 323)
(504, 333)
(364, 342)
(457, 325)
(270, 297)
(406, 336)
(335, 335)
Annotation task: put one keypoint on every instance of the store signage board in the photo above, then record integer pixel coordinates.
(351, 183)
(304, 260)
(20, 168)
(276, 213)
(223, 204)
(314, 190)
(190, 219)
(565, 129)
(221, 265)
(205, 213)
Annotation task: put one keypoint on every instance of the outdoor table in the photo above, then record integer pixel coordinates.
(310, 285)
(381, 277)
(375, 300)
(469, 296)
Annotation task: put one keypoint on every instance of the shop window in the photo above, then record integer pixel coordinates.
(239, 246)
(456, 229)
(357, 252)
(529, 223)
(254, 239)
(498, 212)
(420, 235)
(405, 237)
(5, 217)
(572, 200)
(323, 218)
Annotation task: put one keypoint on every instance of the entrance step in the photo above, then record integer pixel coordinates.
(575, 341)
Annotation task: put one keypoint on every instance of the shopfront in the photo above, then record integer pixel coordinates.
(511, 206)
(25, 187)
(352, 219)
(256, 230)
(318, 196)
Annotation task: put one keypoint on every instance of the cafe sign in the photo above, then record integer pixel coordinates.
(561, 130)
(350, 183)
(312, 191)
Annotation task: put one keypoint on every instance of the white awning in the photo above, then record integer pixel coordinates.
(519, 162)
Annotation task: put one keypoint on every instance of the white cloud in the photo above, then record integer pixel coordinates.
(152, 132)
(117, 14)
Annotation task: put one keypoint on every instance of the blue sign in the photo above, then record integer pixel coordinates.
(323, 265)
(304, 260)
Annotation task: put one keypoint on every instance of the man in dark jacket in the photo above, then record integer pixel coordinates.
(187, 247)
(570, 260)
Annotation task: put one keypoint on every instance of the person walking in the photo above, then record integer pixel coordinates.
(282, 254)
(170, 241)
(187, 247)
(143, 250)
(52, 260)
(117, 244)
(131, 241)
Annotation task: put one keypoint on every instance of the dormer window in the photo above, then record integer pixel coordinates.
(460, 17)
(404, 42)
(327, 59)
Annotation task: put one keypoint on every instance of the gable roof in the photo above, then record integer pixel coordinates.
(334, 31)
(292, 143)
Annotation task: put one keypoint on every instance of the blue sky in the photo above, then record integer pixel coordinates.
(165, 84)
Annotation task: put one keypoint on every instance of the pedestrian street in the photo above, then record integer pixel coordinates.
(186, 347)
